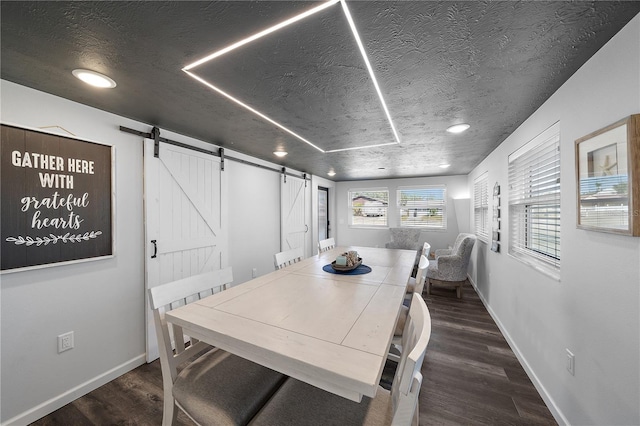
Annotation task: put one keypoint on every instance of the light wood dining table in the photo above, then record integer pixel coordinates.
(332, 331)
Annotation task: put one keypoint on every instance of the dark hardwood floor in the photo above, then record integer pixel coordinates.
(471, 377)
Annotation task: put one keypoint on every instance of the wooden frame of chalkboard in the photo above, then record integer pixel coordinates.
(57, 199)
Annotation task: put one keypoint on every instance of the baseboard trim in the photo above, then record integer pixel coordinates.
(63, 399)
(555, 411)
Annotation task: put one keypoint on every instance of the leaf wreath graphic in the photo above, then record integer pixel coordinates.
(53, 239)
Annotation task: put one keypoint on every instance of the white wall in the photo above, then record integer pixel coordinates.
(254, 207)
(103, 301)
(594, 309)
(374, 237)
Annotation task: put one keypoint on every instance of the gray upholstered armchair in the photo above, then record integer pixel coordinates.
(404, 238)
(450, 266)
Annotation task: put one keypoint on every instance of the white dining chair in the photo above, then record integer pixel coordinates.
(213, 387)
(325, 245)
(426, 250)
(298, 403)
(414, 286)
(289, 257)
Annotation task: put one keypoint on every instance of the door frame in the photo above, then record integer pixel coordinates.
(328, 224)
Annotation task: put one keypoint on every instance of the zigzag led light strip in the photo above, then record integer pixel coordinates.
(277, 27)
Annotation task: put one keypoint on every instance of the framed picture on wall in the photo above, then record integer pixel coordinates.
(57, 199)
(607, 170)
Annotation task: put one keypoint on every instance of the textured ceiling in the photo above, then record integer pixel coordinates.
(489, 64)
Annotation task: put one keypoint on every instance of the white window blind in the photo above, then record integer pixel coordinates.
(368, 207)
(423, 206)
(481, 206)
(534, 201)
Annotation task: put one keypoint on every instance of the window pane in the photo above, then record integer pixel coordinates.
(481, 206)
(544, 230)
(423, 206)
(369, 207)
(534, 200)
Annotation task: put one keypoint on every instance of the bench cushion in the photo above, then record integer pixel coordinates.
(223, 389)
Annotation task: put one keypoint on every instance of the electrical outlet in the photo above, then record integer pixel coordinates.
(65, 342)
(571, 362)
(254, 272)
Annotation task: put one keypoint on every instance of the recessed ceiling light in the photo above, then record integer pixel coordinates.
(280, 153)
(331, 173)
(94, 78)
(444, 166)
(458, 128)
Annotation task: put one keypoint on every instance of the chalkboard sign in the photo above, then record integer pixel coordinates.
(56, 199)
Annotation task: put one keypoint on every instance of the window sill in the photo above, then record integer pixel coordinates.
(423, 228)
(368, 227)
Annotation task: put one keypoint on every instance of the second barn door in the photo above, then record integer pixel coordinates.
(294, 200)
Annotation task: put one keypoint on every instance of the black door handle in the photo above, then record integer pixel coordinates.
(155, 249)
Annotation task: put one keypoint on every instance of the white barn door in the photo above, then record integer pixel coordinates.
(185, 223)
(293, 213)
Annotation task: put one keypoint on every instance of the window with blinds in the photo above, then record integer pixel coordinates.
(368, 207)
(423, 206)
(534, 201)
(481, 206)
